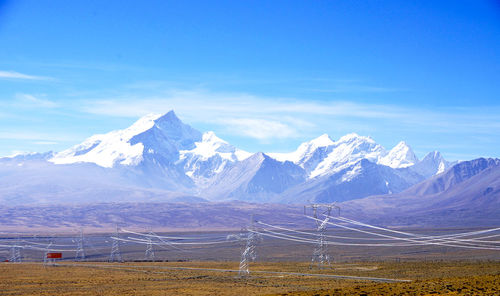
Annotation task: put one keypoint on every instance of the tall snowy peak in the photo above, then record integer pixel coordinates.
(210, 145)
(305, 151)
(348, 150)
(401, 156)
(153, 134)
(209, 157)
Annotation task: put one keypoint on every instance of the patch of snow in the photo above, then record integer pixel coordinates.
(209, 157)
(304, 151)
(401, 156)
(106, 150)
(346, 151)
(441, 167)
(210, 145)
(352, 173)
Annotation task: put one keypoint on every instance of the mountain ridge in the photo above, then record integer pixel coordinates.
(160, 152)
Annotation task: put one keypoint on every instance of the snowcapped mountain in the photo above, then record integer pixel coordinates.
(161, 136)
(348, 150)
(306, 151)
(323, 156)
(401, 156)
(160, 159)
(161, 147)
(352, 181)
(163, 155)
(209, 157)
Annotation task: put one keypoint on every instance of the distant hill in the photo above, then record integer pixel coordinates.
(466, 194)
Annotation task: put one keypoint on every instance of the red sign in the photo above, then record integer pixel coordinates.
(54, 255)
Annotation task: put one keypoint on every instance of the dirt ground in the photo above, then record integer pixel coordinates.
(146, 278)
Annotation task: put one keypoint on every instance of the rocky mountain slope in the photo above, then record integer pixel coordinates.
(466, 194)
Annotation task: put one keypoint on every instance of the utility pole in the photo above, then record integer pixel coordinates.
(320, 252)
(115, 255)
(80, 251)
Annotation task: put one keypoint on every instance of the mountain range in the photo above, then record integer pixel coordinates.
(466, 194)
(159, 159)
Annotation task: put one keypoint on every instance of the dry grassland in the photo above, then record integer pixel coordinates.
(445, 278)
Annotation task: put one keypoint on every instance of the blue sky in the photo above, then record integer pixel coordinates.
(264, 75)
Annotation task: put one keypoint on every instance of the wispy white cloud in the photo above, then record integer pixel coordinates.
(205, 106)
(45, 143)
(35, 101)
(23, 135)
(272, 120)
(353, 88)
(22, 76)
(260, 129)
(201, 103)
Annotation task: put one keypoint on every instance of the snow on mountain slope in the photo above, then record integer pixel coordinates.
(160, 135)
(348, 150)
(209, 157)
(401, 156)
(161, 152)
(161, 146)
(359, 179)
(210, 145)
(147, 150)
(322, 156)
(106, 150)
(305, 151)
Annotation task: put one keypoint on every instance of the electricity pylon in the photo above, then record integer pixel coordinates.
(15, 253)
(320, 252)
(150, 252)
(115, 255)
(47, 260)
(80, 250)
(252, 237)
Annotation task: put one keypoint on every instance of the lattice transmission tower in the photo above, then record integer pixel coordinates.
(320, 252)
(150, 252)
(249, 254)
(80, 249)
(46, 259)
(115, 255)
(15, 253)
